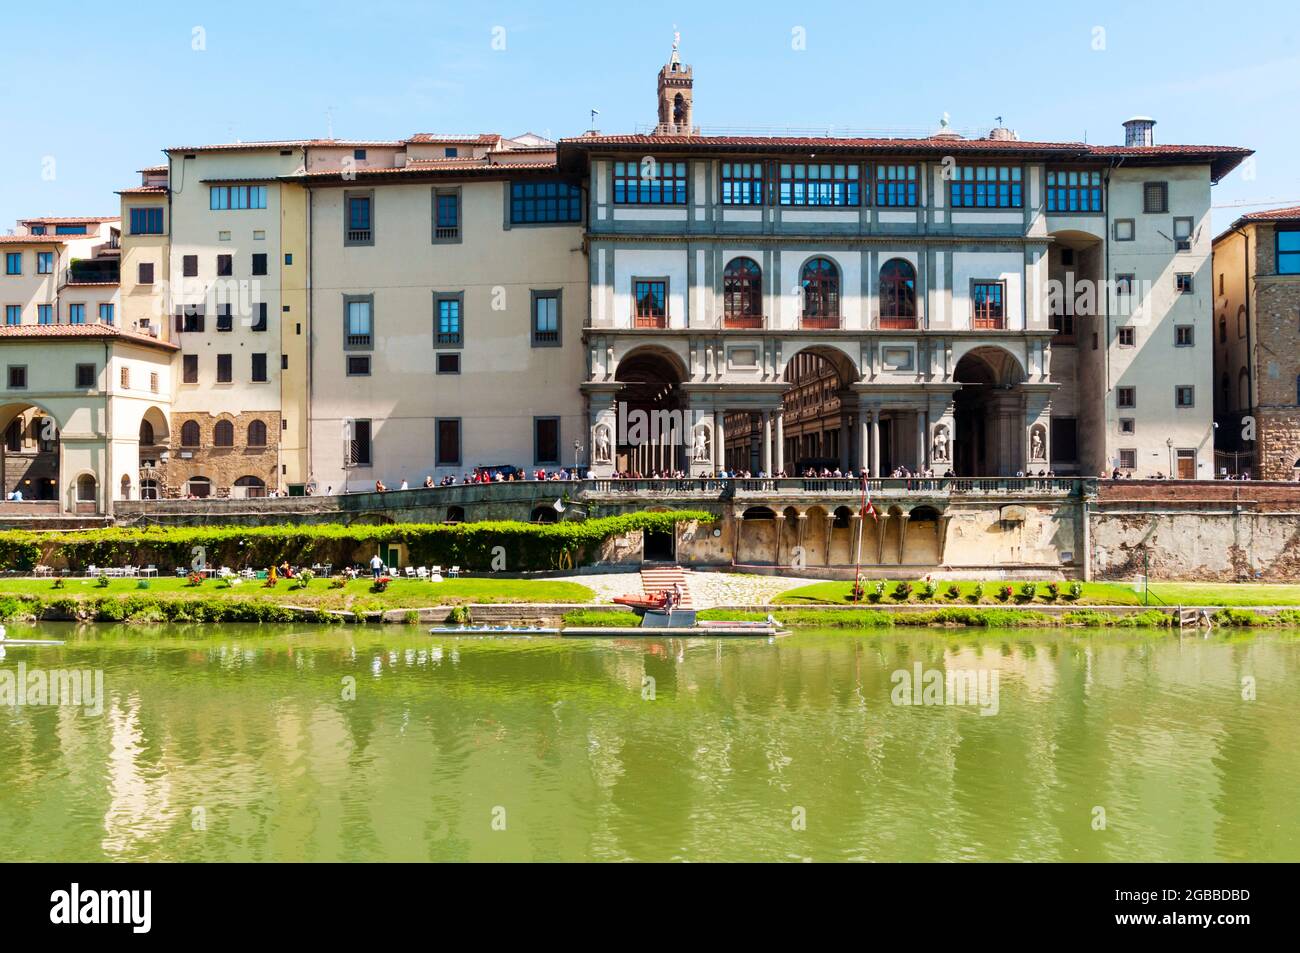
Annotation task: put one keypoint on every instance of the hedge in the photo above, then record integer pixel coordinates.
(140, 608)
(522, 546)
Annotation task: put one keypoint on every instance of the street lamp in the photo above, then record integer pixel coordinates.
(577, 452)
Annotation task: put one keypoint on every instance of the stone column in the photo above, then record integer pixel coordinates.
(864, 440)
(719, 440)
(778, 440)
(921, 452)
(767, 441)
(875, 444)
(846, 433)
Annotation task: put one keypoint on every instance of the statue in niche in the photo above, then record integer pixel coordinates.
(604, 448)
(702, 452)
(939, 452)
(1037, 443)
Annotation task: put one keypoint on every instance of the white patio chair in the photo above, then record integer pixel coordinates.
(453, 572)
(422, 573)
(410, 572)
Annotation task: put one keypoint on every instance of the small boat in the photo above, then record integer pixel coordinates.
(493, 630)
(680, 622)
(5, 640)
(655, 601)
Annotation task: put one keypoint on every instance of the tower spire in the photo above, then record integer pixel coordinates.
(675, 90)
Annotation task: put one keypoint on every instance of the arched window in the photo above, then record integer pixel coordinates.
(190, 433)
(199, 486)
(14, 436)
(897, 294)
(146, 434)
(86, 488)
(126, 487)
(742, 294)
(257, 434)
(250, 486)
(1241, 321)
(455, 514)
(820, 281)
(544, 514)
(223, 434)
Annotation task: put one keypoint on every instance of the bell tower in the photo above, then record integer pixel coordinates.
(675, 86)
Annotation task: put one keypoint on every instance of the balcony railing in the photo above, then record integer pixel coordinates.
(743, 321)
(848, 487)
(358, 340)
(897, 322)
(449, 337)
(650, 321)
(545, 337)
(359, 236)
(820, 322)
(447, 232)
(989, 322)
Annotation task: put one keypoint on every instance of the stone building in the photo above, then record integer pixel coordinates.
(1257, 345)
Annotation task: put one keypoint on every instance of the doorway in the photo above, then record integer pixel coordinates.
(660, 547)
(1186, 462)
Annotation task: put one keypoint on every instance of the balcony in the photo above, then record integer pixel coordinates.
(359, 236)
(546, 337)
(448, 338)
(446, 233)
(820, 322)
(988, 322)
(359, 340)
(897, 322)
(746, 321)
(650, 321)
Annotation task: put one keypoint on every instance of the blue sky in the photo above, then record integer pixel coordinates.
(101, 88)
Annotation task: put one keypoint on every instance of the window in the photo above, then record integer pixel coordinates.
(447, 364)
(190, 433)
(45, 263)
(69, 229)
(650, 297)
(451, 152)
(805, 183)
(13, 314)
(1073, 191)
(446, 215)
(1128, 459)
(1241, 321)
(1124, 229)
(359, 154)
(288, 258)
(259, 319)
(897, 294)
(223, 434)
(649, 182)
(897, 185)
(225, 320)
(190, 318)
(153, 382)
(820, 284)
(145, 273)
(1184, 396)
(742, 294)
(1126, 337)
(76, 314)
(17, 376)
(357, 448)
(447, 452)
(546, 440)
(259, 263)
(358, 365)
(1124, 286)
(146, 221)
(1183, 234)
(1063, 325)
(227, 197)
(190, 369)
(45, 314)
(988, 301)
(13, 263)
(146, 434)
(532, 202)
(38, 229)
(105, 312)
(358, 321)
(190, 266)
(224, 373)
(985, 186)
(358, 222)
(199, 487)
(1155, 197)
(1184, 335)
(448, 330)
(257, 433)
(1127, 425)
(259, 368)
(1183, 283)
(546, 318)
(225, 266)
(1126, 397)
(125, 377)
(1065, 440)
(1288, 251)
(85, 375)
(742, 183)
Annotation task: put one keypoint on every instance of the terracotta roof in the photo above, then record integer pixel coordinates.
(482, 138)
(154, 168)
(253, 146)
(1272, 215)
(70, 219)
(144, 190)
(82, 331)
(38, 239)
(451, 169)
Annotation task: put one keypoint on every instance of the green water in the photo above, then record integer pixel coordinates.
(241, 745)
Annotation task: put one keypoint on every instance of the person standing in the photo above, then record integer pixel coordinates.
(376, 566)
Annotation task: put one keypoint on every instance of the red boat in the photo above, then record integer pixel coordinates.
(656, 601)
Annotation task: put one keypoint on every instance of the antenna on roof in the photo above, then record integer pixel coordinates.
(329, 122)
(594, 113)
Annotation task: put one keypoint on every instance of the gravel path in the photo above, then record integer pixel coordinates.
(708, 589)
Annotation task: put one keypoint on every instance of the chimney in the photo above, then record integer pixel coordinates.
(1140, 131)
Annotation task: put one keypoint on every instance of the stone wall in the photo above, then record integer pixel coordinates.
(1277, 323)
(222, 465)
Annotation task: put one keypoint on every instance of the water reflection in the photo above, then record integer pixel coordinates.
(363, 744)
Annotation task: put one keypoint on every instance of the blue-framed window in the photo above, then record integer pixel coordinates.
(146, 221)
(359, 213)
(45, 314)
(820, 183)
(649, 182)
(45, 262)
(227, 197)
(986, 186)
(13, 314)
(544, 202)
(13, 263)
(742, 183)
(897, 185)
(449, 324)
(76, 314)
(1288, 251)
(37, 229)
(1073, 191)
(69, 229)
(105, 312)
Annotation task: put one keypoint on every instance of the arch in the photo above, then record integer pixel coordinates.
(32, 452)
(87, 488)
(842, 517)
(157, 425)
(651, 361)
(742, 294)
(545, 513)
(819, 282)
(838, 356)
(125, 486)
(657, 431)
(198, 486)
(1006, 366)
(257, 433)
(148, 489)
(147, 437)
(923, 514)
(455, 514)
(987, 412)
(897, 294)
(223, 434)
(190, 434)
(250, 487)
(759, 513)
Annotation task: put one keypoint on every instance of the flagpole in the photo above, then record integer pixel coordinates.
(857, 556)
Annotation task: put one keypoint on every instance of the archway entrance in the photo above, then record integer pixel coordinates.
(30, 451)
(988, 413)
(652, 426)
(819, 412)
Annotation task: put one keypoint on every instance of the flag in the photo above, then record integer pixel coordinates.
(868, 508)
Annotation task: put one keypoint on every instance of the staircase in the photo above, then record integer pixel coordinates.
(655, 579)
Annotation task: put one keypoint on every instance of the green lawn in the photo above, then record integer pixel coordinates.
(1094, 593)
(401, 593)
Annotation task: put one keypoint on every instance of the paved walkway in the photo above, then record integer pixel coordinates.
(708, 589)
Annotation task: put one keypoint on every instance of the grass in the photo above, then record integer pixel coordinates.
(1094, 593)
(319, 594)
(594, 618)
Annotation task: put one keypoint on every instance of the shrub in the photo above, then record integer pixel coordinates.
(902, 591)
(1029, 590)
(877, 591)
(381, 584)
(459, 615)
(856, 591)
(58, 582)
(142, 583)
(954, 591)
(101, 581)
(928, 590)
(1005, 592)
(1053, 590)
(194, 579)
(1076, 590)
(338, 582)
(977, 593)
(303, 579)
